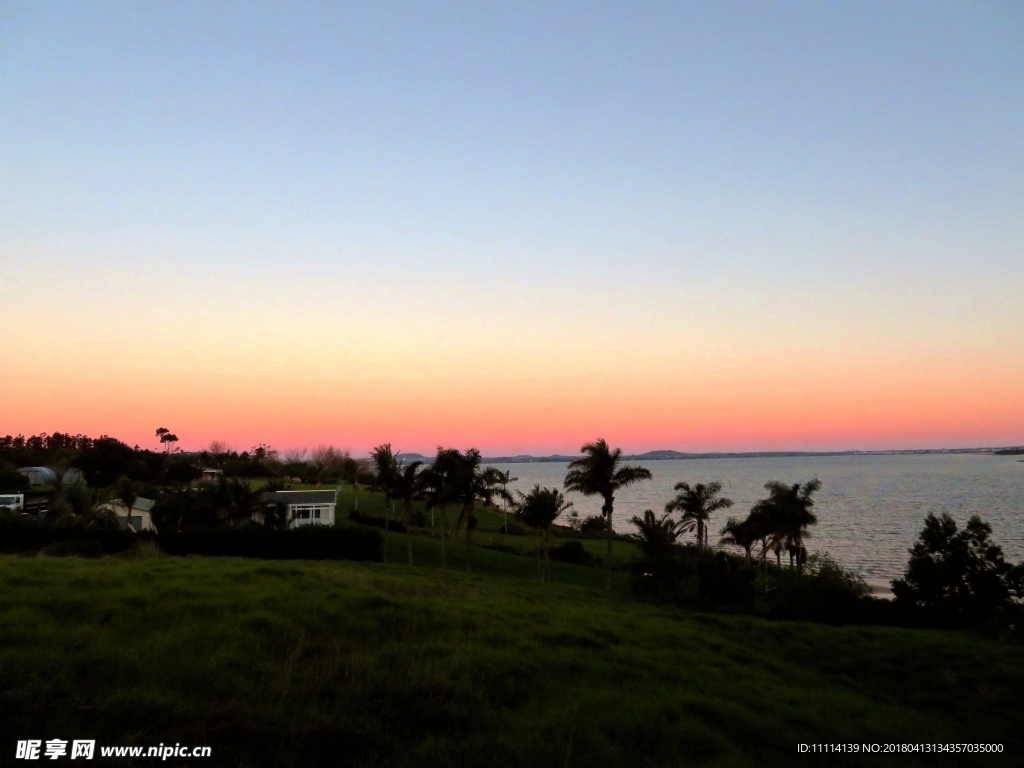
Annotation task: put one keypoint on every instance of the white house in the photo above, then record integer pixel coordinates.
(139, 519)
(305, 507)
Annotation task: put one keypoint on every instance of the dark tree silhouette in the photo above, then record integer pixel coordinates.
(741, 533)
(167, 439)
(657, 536)
(696, 505)
(387, 478)
(505, 478)
(539, 509)
(128, 492)
(784, 518)
(436, 489)
(406, 485)
(958, 576)
(465, 482)
(598, 474)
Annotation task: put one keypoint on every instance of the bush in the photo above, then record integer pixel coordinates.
(689, 575)
(960, 577)
(824, 592)
(309, 542)
(12, 481)
(181, 470)
(726, 579)
(593, 525)
(572, 552)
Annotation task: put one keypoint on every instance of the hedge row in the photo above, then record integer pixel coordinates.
(305, 543)
(311, 542)
(17, 536)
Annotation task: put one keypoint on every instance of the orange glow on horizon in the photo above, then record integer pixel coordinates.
(822, 409)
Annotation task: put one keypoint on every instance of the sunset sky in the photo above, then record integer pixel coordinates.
(517, 226)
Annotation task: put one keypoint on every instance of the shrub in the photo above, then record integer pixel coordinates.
(309, 542)
(593, 525)
(727, 579)
(573, 552)
(824, 592)
(12, 481)
(691, 575)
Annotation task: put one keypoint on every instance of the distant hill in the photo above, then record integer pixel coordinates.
(667, 455)
(663, 455)
(405, 458)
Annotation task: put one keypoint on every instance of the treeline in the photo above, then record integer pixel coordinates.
(103, 460)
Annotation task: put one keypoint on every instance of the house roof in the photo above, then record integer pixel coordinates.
(141, 504)
(47, 474)
(300, 497)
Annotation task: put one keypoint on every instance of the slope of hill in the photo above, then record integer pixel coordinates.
(305, 664)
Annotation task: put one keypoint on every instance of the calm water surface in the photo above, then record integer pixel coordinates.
(870, 508)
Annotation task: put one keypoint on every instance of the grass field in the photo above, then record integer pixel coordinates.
(333, 663)
(489, 531)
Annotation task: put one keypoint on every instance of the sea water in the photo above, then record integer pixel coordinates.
(870, 508)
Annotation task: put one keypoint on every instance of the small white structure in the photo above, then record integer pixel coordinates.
(39, 475)
(210, 475)
(12, 500)
(305, 507)
(139, 519)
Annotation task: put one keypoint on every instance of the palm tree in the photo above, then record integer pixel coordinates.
(697, 504)
(786, 514)
(659, 566)
(128, 492)
(406, 485)
(467, 482)
(387, 472)
(233, 500)
(656, 535)
(740, 533)
(505, 478)
(436, 489)
(539, 509)
(598, 474)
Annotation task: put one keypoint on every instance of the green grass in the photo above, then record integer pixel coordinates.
(489, 530)
(310, 663)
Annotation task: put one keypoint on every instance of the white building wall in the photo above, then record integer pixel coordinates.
(311, 514)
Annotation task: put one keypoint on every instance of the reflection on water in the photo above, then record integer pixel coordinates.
(870, 508)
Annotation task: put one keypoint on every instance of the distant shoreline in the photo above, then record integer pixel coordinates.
(666, 455)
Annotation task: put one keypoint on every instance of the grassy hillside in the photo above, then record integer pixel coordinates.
(287, 663)
(490, 526)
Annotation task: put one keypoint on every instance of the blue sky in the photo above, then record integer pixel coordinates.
(849, 172)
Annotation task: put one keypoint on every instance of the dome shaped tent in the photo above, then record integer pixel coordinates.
(39, 475)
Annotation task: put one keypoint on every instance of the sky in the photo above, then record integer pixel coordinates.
(516, 226)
